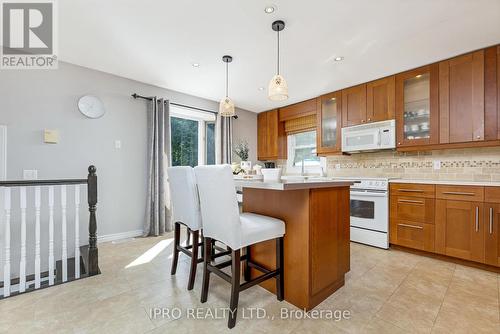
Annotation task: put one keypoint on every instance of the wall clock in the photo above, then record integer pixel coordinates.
(91, 106)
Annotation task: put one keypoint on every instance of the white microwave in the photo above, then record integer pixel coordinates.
(369, 137)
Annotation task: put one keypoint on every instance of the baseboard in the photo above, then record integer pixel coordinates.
(118, 236)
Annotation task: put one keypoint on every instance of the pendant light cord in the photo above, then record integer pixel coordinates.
(278, 65)
(227, 78)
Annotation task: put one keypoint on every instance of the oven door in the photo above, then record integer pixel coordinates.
(369, 210)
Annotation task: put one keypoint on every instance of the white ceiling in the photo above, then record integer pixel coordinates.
(156, 41)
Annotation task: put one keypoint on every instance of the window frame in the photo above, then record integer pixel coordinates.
(202, 118)
(309, 169)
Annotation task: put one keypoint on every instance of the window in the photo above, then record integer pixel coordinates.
(192, 136)
(302, 149)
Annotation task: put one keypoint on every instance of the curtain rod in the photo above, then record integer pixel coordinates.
(137, 96)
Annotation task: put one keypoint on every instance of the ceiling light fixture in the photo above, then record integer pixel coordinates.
(338, 58)
(226, 106)
(269, 10)
(278, 88)
(195, 65)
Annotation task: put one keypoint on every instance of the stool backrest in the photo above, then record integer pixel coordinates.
(218, 203)
(184, 196)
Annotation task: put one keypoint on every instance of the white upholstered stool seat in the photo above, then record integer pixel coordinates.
(256, 228)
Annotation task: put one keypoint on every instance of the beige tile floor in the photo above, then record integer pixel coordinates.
(386, 292)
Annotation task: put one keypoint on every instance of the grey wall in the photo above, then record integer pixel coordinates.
(31, 101)
(245, 128)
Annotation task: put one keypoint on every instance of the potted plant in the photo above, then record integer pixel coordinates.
(241, 151)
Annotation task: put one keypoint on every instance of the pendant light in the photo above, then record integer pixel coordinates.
(226, 107)
(278, 88)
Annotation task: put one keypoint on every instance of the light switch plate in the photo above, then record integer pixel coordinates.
(436, 164)
(51, 136)
(30, 174)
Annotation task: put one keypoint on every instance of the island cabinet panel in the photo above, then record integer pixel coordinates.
(380, 99)
(271, 138)
(354, 105)
(316, 241)
(460, 229)
(297, 110)
(461, 98)
(328, 123)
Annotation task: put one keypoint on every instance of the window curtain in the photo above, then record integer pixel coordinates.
(158, 155)
(223, 140)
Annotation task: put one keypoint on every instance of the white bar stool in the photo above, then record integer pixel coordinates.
(222, 222)
(185, 211)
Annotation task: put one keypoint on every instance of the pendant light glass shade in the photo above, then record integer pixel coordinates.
(278, 88)
(226, 107)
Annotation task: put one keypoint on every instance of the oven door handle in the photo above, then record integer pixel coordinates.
(367, 194)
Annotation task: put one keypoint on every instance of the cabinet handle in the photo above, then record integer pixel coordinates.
(491, 220)
(411, 226)
(410, 201)
(369, 119)
(477, 219)
(362, 121)
(411, 190)
(457, 193)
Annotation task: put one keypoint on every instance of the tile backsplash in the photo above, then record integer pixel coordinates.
(472, 164)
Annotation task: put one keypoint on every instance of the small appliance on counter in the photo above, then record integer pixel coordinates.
(269, 164)
(271, 174)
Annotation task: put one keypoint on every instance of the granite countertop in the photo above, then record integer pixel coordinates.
(292, 185)
(449, 182)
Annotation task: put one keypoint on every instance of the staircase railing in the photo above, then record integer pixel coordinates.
(88, 262)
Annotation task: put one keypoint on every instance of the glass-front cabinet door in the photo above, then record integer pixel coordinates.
(417, 107)
(329, 123)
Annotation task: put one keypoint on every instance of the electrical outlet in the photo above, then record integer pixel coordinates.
(118, 144)
(436, 164)
(337, 166)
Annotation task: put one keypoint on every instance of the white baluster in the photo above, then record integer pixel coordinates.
(77, 231)
(64, 257)
(37, 237)
(51, 235)
(6, 266)
(22, 263)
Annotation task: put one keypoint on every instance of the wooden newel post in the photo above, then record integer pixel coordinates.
(92, 199)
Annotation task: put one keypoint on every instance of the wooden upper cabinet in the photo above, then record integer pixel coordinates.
(328, 120)
(297, 110)
(417, 106)
(271, 141)
(460, 229)
(262, 136)
(491, 86)
(354, 105)
(461, 98)
(380, 99)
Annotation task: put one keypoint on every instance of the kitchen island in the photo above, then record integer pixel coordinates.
(316, 243)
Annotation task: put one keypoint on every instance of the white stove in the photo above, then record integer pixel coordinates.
(370, 211)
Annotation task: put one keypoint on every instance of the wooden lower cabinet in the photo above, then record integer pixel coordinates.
(491, 233)
(460, 229)
(412, 222)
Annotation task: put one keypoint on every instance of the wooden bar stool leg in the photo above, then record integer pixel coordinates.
(194, 259)
(175, 258)
(206, 274)
(235, 287)
(246, 270)
(279, 265)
